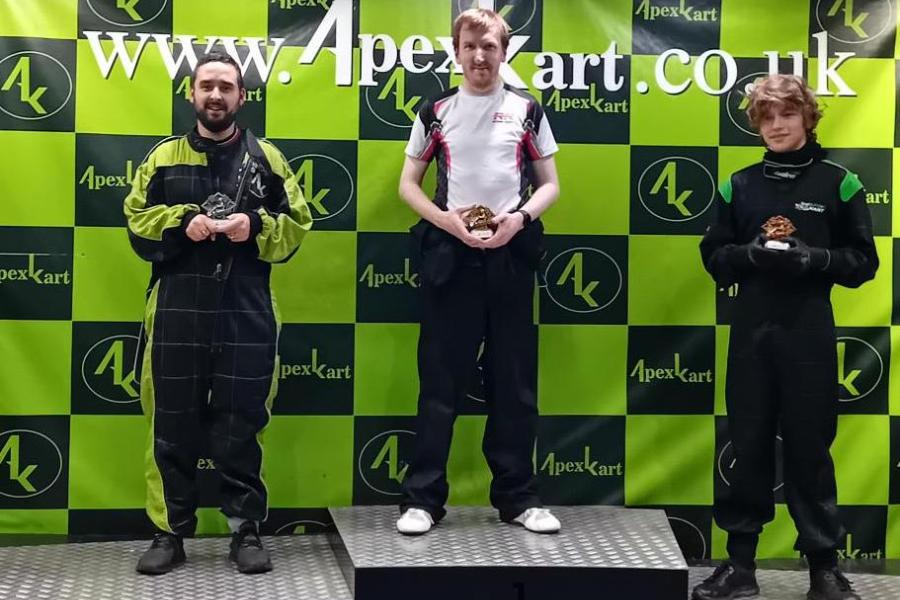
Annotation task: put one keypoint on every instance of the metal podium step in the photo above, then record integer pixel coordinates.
(472, 555)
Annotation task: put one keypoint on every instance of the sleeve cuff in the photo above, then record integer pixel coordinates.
(186, 220)
(255, 223)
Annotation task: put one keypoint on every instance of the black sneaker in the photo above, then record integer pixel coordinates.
(247, 550)
(830, 584)
(164, 554)
(727, 581)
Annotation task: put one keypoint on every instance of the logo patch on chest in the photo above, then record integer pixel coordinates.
(502, 117)
(257, 187)
(810, 207)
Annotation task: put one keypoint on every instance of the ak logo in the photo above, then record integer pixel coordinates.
(726, 463)
(583, 280)
(30, 463)
(396, 100)
(127, 13)
(335, 186)
(690, 538)
(737, 100)
(108, 369)
(33, 85)
(518, 14)
(303, 527)
(382, 463)
(855, 21)
(860, 368)
(676, 188)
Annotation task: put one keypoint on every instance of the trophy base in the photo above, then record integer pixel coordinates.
(777, 245)
(482, 234)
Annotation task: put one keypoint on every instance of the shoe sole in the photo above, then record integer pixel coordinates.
(161, 571)
(738, 594)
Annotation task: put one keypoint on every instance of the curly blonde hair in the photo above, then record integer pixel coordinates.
(481, 19)
(786, 90)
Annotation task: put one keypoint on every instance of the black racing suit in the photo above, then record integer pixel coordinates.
(782, 362)
(209, 369)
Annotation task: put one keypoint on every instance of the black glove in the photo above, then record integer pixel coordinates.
(800, 258)
(762, 258)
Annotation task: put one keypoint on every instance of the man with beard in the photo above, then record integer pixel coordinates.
(211, 210)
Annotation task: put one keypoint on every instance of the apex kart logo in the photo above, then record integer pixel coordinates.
(30, 463)
(583, 280)
(662, 196)
(330, 199)
(374, 279)
(108, 369)
(649, 10)
(32, 273)
(647, 373)
(860, 368)
(289, 4)
(382, 463)
(35, 85)
(586, 465)
(316, 367)
(127, 13)
(395, 99)
(854, 22)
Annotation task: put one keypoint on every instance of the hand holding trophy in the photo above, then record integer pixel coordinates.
(776, 230)
(479, 222)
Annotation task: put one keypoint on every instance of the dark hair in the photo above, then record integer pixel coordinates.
(216, 56)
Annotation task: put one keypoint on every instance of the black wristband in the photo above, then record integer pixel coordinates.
(526, 217)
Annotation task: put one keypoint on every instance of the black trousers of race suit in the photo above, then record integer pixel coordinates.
(470, 295)
(212, 350)
(783, 378)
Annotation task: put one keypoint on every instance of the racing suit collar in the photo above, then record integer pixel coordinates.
(203, 144)
(787, 166)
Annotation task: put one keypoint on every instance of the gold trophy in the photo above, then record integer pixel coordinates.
(776, 229)
(478, 222)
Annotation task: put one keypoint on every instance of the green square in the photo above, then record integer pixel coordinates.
(581, 369)
(110, 105)
(584, 207)
(228, 18)
(36, 179)
(660, 119)
(403, 18)
(387, 380)
(587, 25)
(37, 521)
(893, 532)
(298, 471)
(894, 370)
(859, 121)
(669, 459)
(735, 158)
(35, 368)
(467, 471)
(742, 22)
(379, 207)
(690, 294)
(862, 461)
(870, 304)
(107, 465)
(318, 284)
(109, 279)
(57, 19)
(310, 106)
(777, 539)
(722, 337)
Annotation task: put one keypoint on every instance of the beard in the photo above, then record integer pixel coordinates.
(215, 125)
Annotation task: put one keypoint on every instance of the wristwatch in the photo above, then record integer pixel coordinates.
(526, 217)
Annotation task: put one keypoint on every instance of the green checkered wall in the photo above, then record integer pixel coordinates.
(638, 166)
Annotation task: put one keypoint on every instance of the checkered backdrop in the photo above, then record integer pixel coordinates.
(633, 333)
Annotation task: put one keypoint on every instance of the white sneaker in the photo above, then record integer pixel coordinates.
(414, 521)
(538, 520)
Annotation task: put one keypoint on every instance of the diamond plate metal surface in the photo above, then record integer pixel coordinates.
(592, 536)
(305, 568)
(792, 585)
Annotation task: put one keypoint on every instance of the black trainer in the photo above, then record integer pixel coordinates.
(830, 584)
(247, 550)
(728, 581)
(164, 554)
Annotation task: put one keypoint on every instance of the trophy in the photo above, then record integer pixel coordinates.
(218, 206)
(776, 229)
(478, 222)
